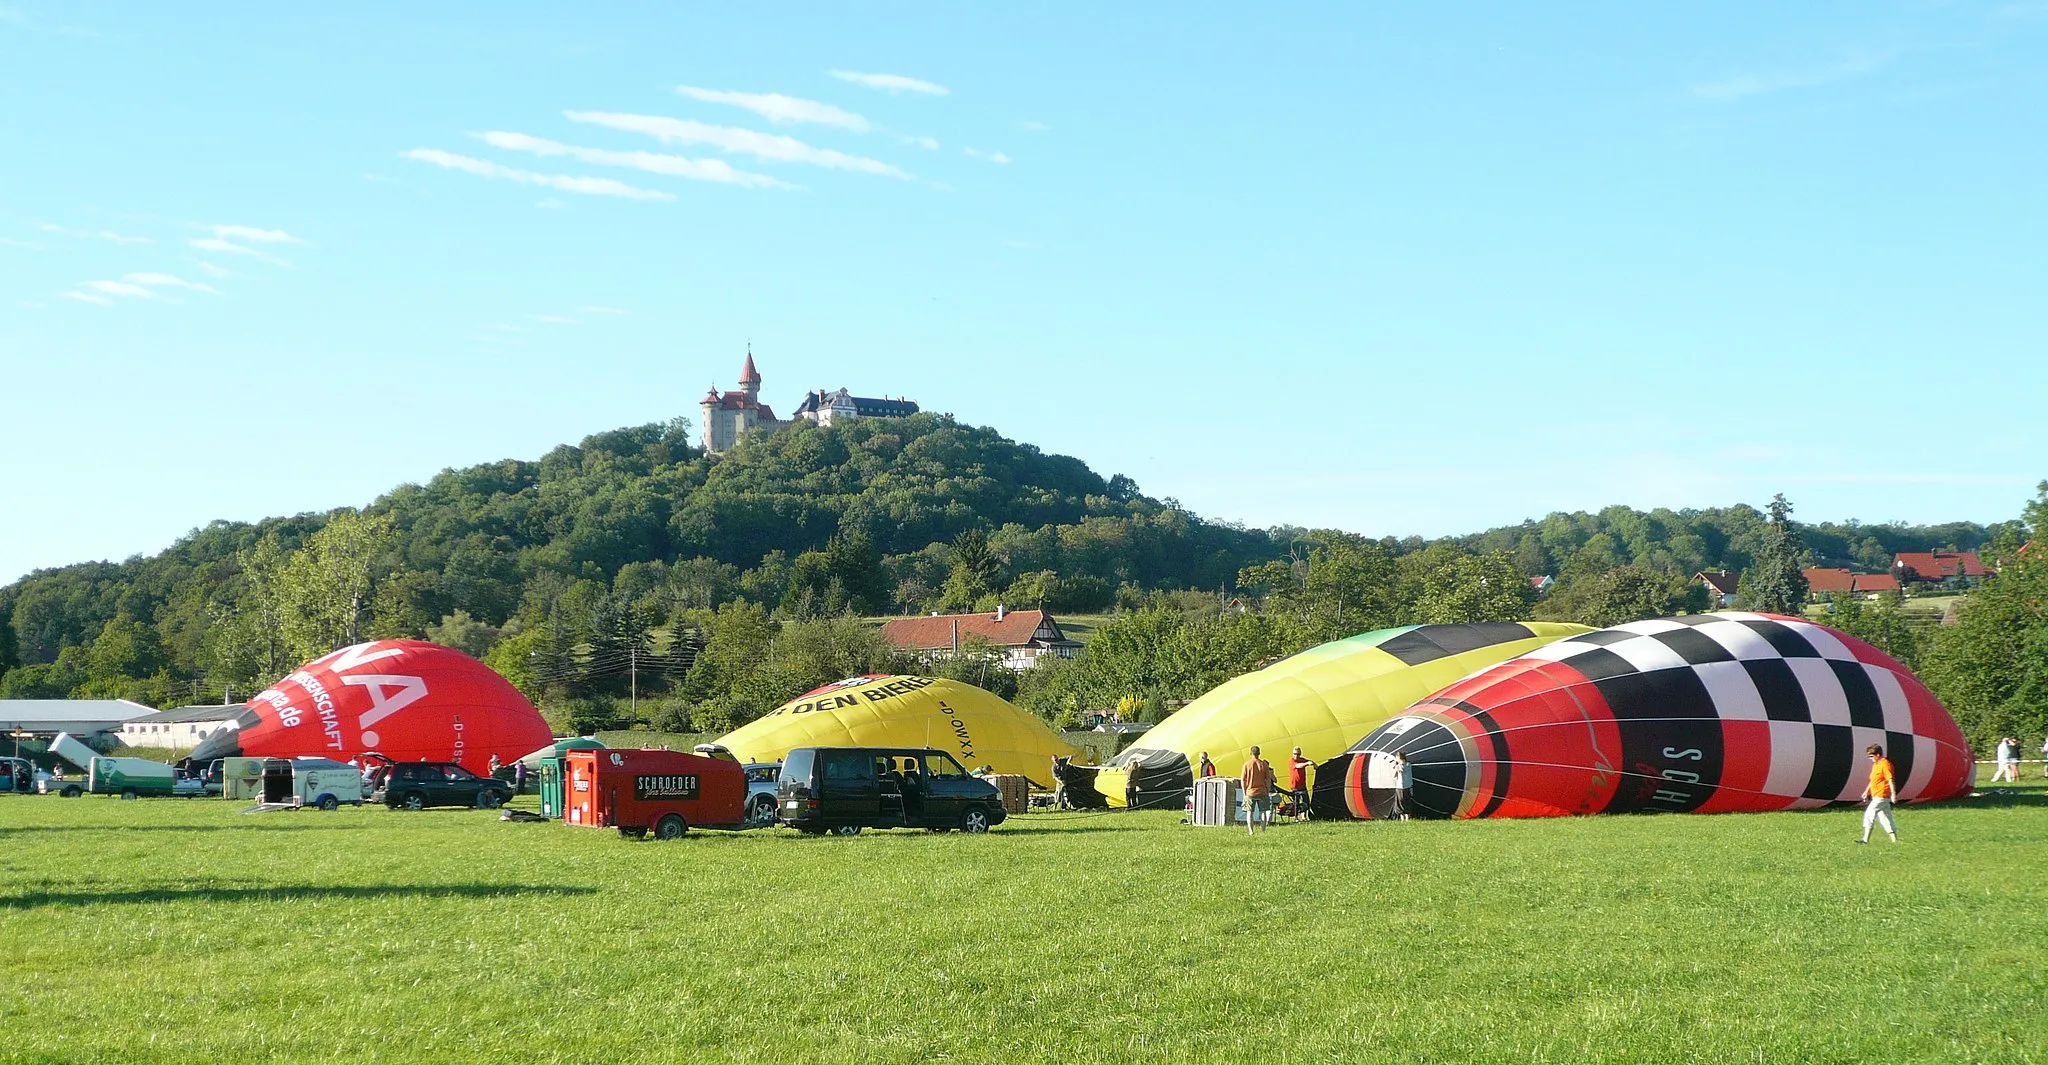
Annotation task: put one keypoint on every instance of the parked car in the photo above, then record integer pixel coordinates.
(416, 785)
(846, 789)
(761, 786)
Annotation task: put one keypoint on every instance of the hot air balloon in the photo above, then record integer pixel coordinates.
(1321, 700)
(406, 699)
(1704, 713)
(974, 726)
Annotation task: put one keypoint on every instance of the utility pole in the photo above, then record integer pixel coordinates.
(633, 680)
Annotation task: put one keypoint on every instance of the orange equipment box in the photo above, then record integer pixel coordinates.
(665, 792)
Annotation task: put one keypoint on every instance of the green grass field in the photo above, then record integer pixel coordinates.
(181, 931)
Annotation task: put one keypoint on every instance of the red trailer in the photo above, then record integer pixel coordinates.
(669, 792)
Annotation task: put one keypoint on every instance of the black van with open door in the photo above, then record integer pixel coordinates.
(846, 789)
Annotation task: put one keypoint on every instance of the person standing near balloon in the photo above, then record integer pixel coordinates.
(1059, 782)
(1257, 781)
(1404, 782)
(1297, 783)
(2006, 770)
(1209, 767)
(1882, 789)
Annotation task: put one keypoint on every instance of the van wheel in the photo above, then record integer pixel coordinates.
(329, 803)
(671, 826)
(846, 830)
(127, 793)
(415, 801)
(974, 820)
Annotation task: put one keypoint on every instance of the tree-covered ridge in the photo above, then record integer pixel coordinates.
(632, 556)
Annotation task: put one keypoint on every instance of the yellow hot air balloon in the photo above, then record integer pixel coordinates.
(1322, 700)
(974, 726)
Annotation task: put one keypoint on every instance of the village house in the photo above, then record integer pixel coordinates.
(826, 408)
(1023, 636)
(181, 728)
(1952, 568)
(1829, 581)
(1720, 584)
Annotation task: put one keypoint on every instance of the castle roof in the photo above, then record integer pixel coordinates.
(749, 375)
(864, 406)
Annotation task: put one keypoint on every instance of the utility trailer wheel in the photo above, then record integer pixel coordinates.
(328, 803)
(71, 791)
(671, 826)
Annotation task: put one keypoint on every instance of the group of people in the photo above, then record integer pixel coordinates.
(2008, 755)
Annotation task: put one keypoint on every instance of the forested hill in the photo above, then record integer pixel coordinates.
(633, 528)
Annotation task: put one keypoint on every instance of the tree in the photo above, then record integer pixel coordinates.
(1443, 584)
(973, 573)
(465, 634)
(1618, 596)
(1334, 583)
(1773, 583)
(1991, 666)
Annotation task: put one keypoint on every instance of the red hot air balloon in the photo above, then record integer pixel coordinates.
(407, 699)
(1704, 713)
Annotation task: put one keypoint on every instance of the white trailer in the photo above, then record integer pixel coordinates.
(296, 783)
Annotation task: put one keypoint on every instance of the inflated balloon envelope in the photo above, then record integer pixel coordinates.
(1702, 713)
(407, 699)
(976, 727)
(1321, 700)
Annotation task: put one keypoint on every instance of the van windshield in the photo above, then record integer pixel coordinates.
(796, 769)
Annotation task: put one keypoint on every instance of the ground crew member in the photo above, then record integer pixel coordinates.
(1880, 792)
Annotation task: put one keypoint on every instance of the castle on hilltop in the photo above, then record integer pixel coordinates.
(731, 415)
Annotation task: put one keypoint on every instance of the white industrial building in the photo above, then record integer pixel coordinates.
(181, 728)
(79, 717)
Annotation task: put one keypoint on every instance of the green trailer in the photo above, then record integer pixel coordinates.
(130, 778)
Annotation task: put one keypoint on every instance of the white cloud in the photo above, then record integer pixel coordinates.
(253, 235)
(170, 281)
(104, 234)
(1035, 126)
(11, 243)
(550, 319)
(87, 297)
(228, 247)
(211, 270)
(993, 157)
(733, 139)
(120, 239)
(503, 328)
(651, 162)
(891, 83)
(584, 186)
(930, 144)
(779, 109)
(1757, 83)
(49, 227)
(121, 288)
(599, 310)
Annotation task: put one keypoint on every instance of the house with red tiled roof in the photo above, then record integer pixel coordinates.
(1720, 586)
(1837, 581)
(731, 415)
(1023, 636)
(1938, 567)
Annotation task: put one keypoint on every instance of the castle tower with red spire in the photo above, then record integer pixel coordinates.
(731, 415)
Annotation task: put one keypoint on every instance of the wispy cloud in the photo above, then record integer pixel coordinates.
(229, 247)
(155, 280)
(120, 288)
(779, 109)
(733, 139)
(891, 83)
(1745, 84)
(24, 244)
(599, 310)
(993, 157)
(87, 297)
(254, 235)
(550, 319)
(583, 186)
(86, 234)
(211, 270)
(930, 144)
(650, 162)
(1034, 126)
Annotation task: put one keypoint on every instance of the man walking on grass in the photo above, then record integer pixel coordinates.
(1880, 792)
(1257, 780)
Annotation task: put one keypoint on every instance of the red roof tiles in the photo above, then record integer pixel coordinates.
(931, 633)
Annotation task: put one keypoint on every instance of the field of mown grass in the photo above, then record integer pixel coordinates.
(181, 931)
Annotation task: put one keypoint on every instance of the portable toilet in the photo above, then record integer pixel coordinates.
(548, 764)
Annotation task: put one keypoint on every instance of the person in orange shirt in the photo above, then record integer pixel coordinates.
(1882, 789)
(1257, 780)
(1297, 783)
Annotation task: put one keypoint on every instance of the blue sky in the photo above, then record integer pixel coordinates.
(1372, 266)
